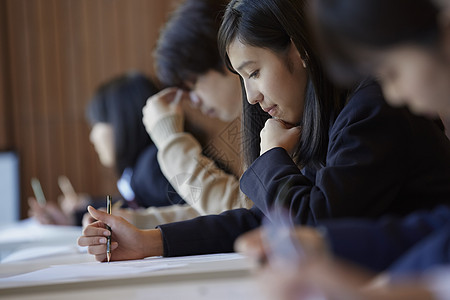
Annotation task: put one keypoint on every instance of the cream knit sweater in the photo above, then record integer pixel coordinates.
(205, 187)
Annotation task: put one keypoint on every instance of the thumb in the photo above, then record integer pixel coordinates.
(99, 215)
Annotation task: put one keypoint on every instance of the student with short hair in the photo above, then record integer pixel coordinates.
(189, 64)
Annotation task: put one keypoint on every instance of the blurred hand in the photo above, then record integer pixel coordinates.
(70, 203)
(312, 243)
(277, 133)
(161, 105)
(127, 242)
(50, 213)
(320, 276)
(291, 281)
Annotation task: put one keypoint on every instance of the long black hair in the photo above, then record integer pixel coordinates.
(349, 32)
(119, 102)
(273, 24)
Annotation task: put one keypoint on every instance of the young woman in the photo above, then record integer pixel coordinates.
(406, 44)
(324, 154)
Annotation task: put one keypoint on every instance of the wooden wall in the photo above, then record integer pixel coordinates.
(53, 54)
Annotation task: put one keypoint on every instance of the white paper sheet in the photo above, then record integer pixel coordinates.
(30, 231)
(86, 271)
(38, 252)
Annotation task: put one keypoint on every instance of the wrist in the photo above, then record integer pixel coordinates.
(268, 148)
(153, 245)
(165, 127)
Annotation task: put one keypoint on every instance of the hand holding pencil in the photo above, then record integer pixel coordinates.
(127, 241)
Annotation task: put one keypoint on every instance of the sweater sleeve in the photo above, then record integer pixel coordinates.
(151, 217)
(377, 244)
(195, 177)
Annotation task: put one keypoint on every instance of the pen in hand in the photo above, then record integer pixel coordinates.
(108, 239)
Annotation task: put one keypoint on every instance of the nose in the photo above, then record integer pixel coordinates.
(253, 94)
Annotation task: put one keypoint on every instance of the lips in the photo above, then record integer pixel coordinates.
(271, 110)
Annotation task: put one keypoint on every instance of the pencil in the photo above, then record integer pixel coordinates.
(38, 193)
(108, 241)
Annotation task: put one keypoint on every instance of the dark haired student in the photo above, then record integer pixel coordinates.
(122, 143)
(188, 62)
(324, 153)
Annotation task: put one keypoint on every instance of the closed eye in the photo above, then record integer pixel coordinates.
(254, 74)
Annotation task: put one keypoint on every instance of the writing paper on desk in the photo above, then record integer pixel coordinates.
(31, 231)
(87, 271)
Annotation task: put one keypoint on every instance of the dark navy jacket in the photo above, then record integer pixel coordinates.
(150, 186)
(380, 160)
(416, 242)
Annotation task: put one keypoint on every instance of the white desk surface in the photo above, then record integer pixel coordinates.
(220, 276)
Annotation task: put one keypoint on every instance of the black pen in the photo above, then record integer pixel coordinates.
(108, 241)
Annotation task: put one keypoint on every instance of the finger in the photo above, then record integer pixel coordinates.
(170, 94)
(270, 121)
(285, 124)
(194, 99)
(34, 205)
(100, 257)
(176, 100)
(91, 241)
(96, 229)
(98, 214)
(166, 94)
(87, 220)
(101, 249)
(96, 249)
(110, 220)
(250, 244)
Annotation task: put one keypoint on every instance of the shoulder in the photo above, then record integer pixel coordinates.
(147, 162)
(365, 99)
(367, 105)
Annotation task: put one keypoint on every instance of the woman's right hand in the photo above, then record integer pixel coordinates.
(127, 242)
(277, 133)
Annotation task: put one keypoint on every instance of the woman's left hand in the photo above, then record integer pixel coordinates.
(277, 133)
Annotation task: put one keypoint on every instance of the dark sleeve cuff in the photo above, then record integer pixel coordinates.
(208, 234)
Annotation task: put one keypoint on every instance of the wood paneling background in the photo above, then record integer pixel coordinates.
(53, 54)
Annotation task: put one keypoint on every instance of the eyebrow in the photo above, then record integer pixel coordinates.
(244, 64)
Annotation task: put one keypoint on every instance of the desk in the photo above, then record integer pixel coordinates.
(219, 276)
